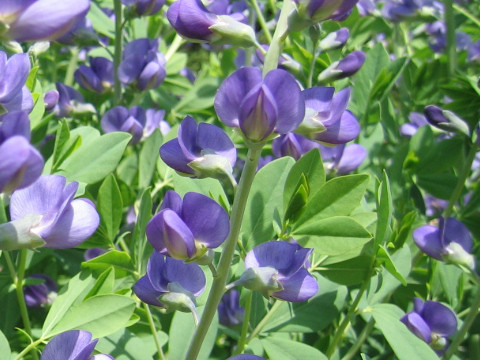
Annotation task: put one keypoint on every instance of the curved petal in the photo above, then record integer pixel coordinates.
(418, 326)
(300, 287)
(70, 345)
(341, 132)
(88, 79)
(77, 223)
(211, 137)
(49, 18)
(287, 145)
(151, 76)
(208, 221)
(288, 98)
(14, 154)
(146, 292)
(114, 119)
(190, 276)
(103, 67)
(187, 137)
(439, 318)
(153, 120)
(352, 157)
(14, 76)
(22, 100)
(232, 92)
(192, 19)
(318, 98)
(338, 106)
(418, 305)
(172, 201)
(456, 231)
(14, 123)
(173, 155)
(428, 239)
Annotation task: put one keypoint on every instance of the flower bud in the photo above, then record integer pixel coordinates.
(446, 120)
(335, 40)
(346, 67)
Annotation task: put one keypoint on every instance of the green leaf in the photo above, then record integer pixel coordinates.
(104, 283)
(120, 260)
(110, 206)
(139, 239)
(266, 196)
(62, 136)
(200, 97)
(384, 210)
(284, 349)
(4, 347)
(350, 272)
(440, 186)
(311, 166)
(176, 63)
(333, 236)
(32, 78)
(386, 79)
(404, 343)
(304, 317)
(72, 293)
(383, 257)
(96, 158)
(339, 196)
(101, 22)
(148, 158)
(181, 332)
(184, 184)
(102, 315)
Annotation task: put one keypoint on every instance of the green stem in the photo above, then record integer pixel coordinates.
(405, 37)
(312, 67)
(451, 37)
(246, 322)
(461, 181)
(361, 339)
(3, 214)
(465, 327)
(218, 286)
(161, 356)
(117, 59)
(72, 66)
(281, 32)
(261, 20)
(348, 318)
(264, 321)
(28, 349)
(467, 14)
(174, 46)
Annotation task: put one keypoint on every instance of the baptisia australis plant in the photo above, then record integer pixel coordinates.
(171, 284)
(260, 106)
(203, 150)
(137, 121)
(186, 229)
(34, 20)
(14, 94)
(278, 269)
(432, 322)
(73, 345)
(45, 214)
(20, 163)
(343, 68)
(98, 77)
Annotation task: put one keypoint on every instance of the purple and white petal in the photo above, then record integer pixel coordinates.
(300, 287)
(440, 319)
(428, 239)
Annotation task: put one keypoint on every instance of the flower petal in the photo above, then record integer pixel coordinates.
(146, 292)
(300, 287)
(343, 131)
(428, 239)
(418, 326)
(189, 275)
(456, 231)
(352, 157)
(211, 137)
(439, 318)
(70, 345)
(173, 155)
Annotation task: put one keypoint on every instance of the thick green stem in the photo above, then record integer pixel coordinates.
(72, 66)
(218, 286)
(161, 356)
(246, 322)
(461, 181)
(465, 327)
(174, 46)
(348, 318)
(361, 339)
(451, 37)
(281, 32)
(28, 349)
(261, 20)
(264, 321)
(312, 66)
(117, 59)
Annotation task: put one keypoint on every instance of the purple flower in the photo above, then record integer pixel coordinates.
(293, 145)
(14, 94)
(20, 163)
(237, 9)
(335, 40)
(400, 9)
(367, 7)
(230, 312)
(432, 322)
(71, 102)
(450, 241)
(45, 213)
(417, 120)
(39, 295)
(136, 121)
(98, 77)
(246, 357)
(142, 64)
(341, 69)
(343, 159)
(260, 106)
(145, 7)
(171, 283)
(445, 120)
(326, 116)
(187, 229)
(277, 269)
(33, 20)
(73, 345)
(202, 151)
(51, 99)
